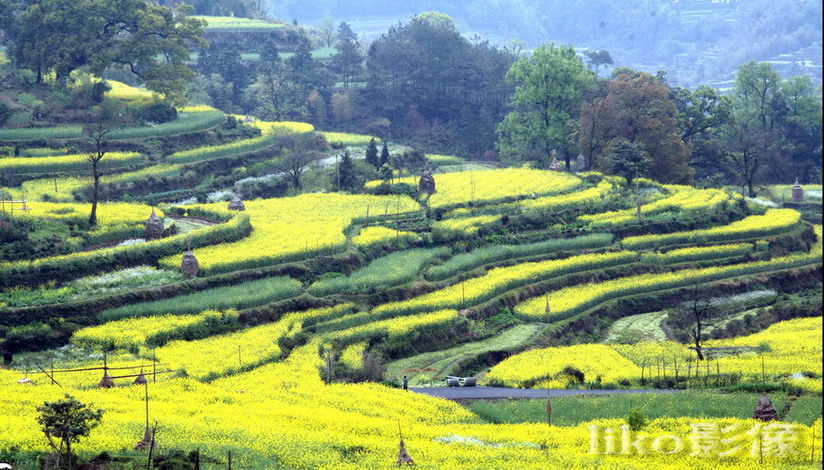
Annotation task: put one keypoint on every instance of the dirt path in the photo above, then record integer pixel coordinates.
(493, 393)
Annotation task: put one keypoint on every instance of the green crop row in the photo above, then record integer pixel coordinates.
(496, 253)
(388, 271)
(225, 150)
(240, 296)
(773, 222)
(74, 265)
(570, 301)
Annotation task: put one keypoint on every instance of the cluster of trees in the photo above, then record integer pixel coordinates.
(635, 124)
(430, 85)
(61, 36)
(299, 87)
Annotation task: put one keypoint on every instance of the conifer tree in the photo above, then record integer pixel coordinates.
(372, 154)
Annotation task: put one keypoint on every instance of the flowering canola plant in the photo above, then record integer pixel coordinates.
(288, 229)
(465, 186)
(497, 280)
(772, 222)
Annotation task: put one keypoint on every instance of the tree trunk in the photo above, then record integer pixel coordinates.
(95, 193)
(68, 453)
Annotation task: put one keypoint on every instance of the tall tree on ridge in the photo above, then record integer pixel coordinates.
(548, 90)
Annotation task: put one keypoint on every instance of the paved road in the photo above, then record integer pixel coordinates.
(490, 393)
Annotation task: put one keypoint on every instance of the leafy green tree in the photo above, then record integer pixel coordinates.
(751, 136)
(147, 39)
(701, 115)
(275, 94)
(639, 108)
(372, 157)
(627, 159)
(65, 421)
(347, 61)
(306, 71)
(269, 54)
(548, 89)
(436, 88)
(801, 127)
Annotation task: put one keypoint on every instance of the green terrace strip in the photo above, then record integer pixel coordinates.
(491, 254)
(575, 410)
(46, 133)
(388, 271)
(397, 329)
(244, 295)
(70, 266)
(236, 24)
(773, 222)
(209, 358)
(444, 360)
(104, 284)
(66, 163)
(684, 199)
(682, 255)
(134, 333)
(225, 150)
(191, 119)
(499, 280)
(571, 301)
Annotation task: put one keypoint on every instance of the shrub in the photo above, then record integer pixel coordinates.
(575, 375)
(636, 419)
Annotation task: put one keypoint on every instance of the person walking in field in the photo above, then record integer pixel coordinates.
(405, 383)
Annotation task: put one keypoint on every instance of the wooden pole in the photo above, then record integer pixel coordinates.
(146, 394)
(239, 358)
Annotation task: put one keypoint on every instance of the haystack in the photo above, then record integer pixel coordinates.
(798, 192)
(403, 456)
(765, 410)
(147, 441)
(154, 226)
(426, 185)
(106, 381)
(237, 205)
(140, 380)
(189, 264)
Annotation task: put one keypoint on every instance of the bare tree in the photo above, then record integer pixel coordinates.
(747, 152)
(327, 30)
(695, 318)
(295, 163)
(100, 123)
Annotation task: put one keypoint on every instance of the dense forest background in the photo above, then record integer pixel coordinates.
(696, 41)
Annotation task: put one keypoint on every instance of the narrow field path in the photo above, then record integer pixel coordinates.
(492, 393)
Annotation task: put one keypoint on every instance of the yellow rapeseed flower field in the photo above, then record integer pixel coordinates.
(287, 229)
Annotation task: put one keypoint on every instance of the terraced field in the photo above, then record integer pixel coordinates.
(520, 272)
